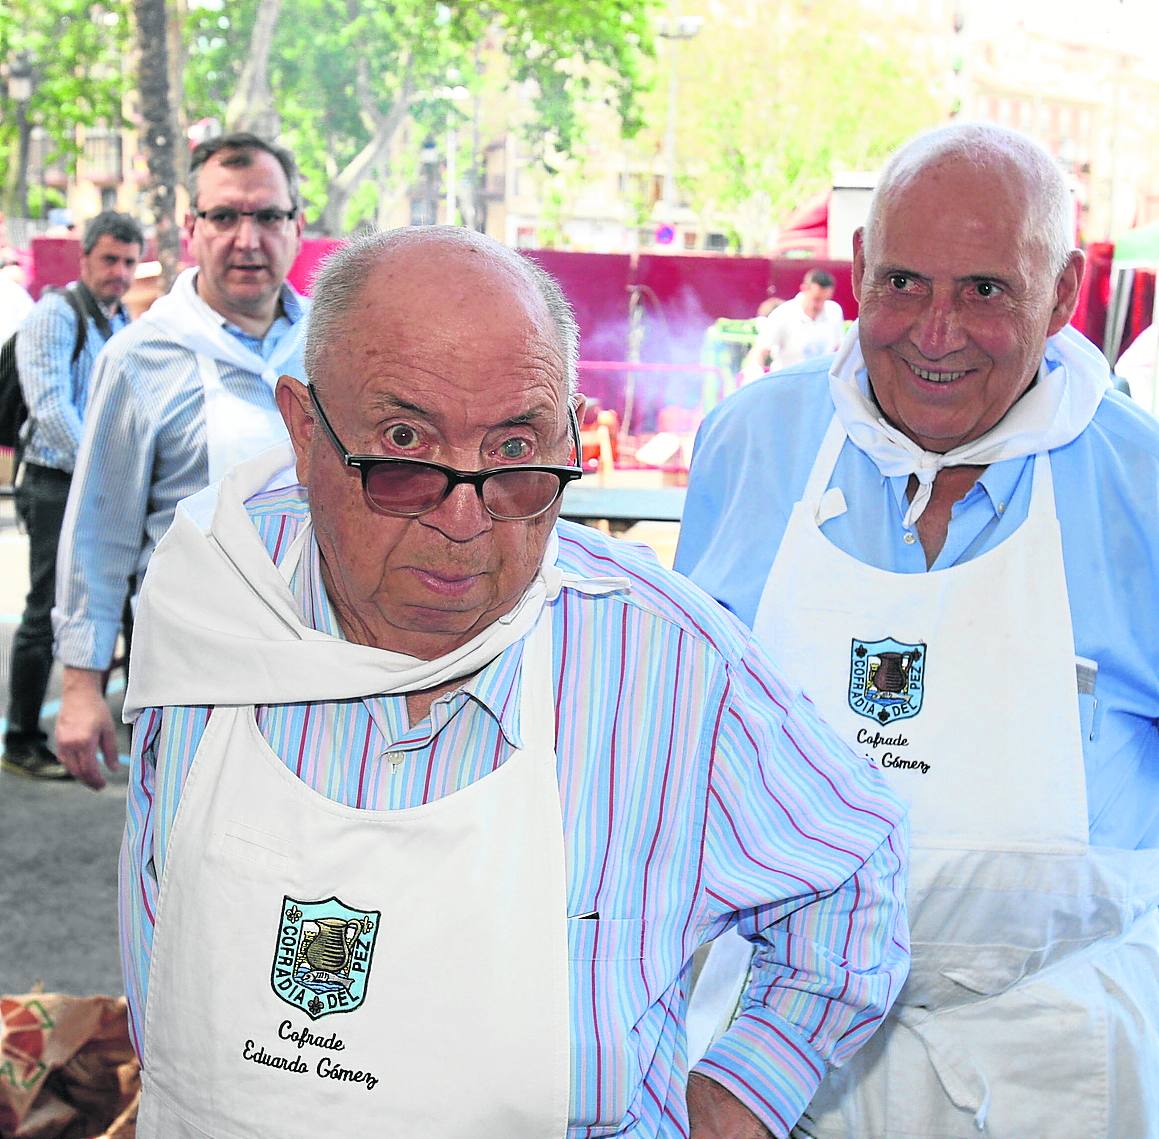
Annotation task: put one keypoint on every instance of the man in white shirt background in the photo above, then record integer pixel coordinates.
(811, 324)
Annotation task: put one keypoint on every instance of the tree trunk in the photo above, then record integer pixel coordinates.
(351, 176)
(158, 130)
(24, 134)
(178, 55)
(251, 108)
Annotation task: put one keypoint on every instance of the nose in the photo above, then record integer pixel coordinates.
(461, 516)
(938, 330)
(247, 235)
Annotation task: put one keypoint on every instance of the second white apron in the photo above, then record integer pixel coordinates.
(960, 685)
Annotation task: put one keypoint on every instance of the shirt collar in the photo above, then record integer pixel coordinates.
(997, 481)
(291, 308)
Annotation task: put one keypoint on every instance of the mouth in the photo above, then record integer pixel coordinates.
(934, 377)
(447, 584)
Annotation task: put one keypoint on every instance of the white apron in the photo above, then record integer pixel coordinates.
(235, 429)
(1035, 957)
(322, 970)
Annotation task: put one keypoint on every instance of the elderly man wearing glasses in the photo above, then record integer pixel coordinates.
(184, 395)
(434, 795)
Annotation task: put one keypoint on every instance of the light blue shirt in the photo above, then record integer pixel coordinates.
(55, 386)
(144, 449)
(752, 459)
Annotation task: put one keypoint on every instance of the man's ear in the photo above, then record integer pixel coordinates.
(1066, 291)
(579, 404)
(298, 413)
(858, 261)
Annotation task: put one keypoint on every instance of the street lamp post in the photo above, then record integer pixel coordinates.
(676, 28)
(19, 74)
(429, 161)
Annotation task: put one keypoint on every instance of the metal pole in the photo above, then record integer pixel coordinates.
(670, 132)
(674, 30)
(452, 177)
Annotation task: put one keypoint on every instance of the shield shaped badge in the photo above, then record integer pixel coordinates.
(323, 955)
(886, 679)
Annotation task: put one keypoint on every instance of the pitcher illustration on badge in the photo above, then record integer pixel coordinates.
(323, 955)
(886, 679)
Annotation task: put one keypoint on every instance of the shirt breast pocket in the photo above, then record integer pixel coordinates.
(609, 997)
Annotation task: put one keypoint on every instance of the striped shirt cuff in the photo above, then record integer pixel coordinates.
(81, 642)
(768, 1066)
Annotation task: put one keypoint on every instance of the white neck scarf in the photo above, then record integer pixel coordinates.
(186, 319)
(1050, 414)
(217, 622)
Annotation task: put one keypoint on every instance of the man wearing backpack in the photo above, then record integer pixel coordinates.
(56, 348)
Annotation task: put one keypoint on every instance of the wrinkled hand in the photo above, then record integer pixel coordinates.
(715, 1113)
(85, 725)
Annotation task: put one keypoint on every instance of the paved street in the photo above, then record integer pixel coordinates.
(58, 845)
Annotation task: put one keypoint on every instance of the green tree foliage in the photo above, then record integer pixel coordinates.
(78, 56)
(775, 98)
(346, 74)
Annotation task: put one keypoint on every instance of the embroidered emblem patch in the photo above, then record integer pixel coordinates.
(886, 679)
(323, 955)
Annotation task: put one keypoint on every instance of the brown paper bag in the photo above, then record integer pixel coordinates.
(67, 1068)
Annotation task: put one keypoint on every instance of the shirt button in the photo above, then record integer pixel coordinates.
(909, 537)
(394, 758)
(1001, 508)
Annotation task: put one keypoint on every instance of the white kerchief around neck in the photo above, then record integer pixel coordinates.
(186, 319)
(1054, 411)
(220, 623)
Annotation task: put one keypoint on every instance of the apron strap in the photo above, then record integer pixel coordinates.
(961, 1078)
(208, 373)
(823, 466)
(1042, 488)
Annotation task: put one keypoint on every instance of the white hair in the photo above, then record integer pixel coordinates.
(988, 147)
(339, 282)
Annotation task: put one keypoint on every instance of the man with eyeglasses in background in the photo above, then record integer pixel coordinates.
(184, 395)
(434, 796)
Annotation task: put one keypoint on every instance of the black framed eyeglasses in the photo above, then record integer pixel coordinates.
(225, 219)
(408, 488)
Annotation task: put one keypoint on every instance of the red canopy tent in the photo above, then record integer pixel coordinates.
(806, 232)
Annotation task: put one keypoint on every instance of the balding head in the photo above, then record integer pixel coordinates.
(963, 273)
(434, 354)
(999, 152)
(445, 253)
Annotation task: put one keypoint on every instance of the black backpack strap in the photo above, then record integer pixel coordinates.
(89, 302)
(82, 324)
(84, 304)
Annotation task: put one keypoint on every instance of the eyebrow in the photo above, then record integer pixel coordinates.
(968, 278)
(389, 403)
(238, 209)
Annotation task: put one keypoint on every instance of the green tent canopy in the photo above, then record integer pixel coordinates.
(1140, 244)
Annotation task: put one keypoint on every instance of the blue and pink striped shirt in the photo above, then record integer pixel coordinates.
(697, 791)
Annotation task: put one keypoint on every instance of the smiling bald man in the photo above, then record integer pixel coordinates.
(948, 536)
